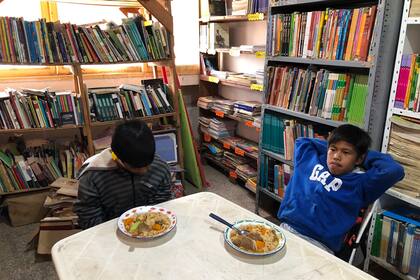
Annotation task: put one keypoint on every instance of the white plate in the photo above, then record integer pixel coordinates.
(145, 209)
(280, 235)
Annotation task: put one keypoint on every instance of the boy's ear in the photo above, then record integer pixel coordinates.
(360, 159)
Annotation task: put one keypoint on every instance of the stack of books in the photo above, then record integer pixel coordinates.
(29, 108)
(247, 109)
(396, 239)
(246, 145)
(322, 93)
(252, 48)
(129, 101)
(246, 171)
(221, 128)
(408, 87)
(38, 163)
(404, 146)
(338, 34)
(231, 160)
(243, 7)
(204, 122)
(223, 105)
(53, 42)
(206, 102)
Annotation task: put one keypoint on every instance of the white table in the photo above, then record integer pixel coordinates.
(195, 249)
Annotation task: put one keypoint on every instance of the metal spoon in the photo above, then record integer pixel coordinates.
(221, 220)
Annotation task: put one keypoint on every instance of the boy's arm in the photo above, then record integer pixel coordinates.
(88, 207)
(382, 173)
(307, 146)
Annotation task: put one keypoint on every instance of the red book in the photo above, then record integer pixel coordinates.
(367, 33)
(14, 106)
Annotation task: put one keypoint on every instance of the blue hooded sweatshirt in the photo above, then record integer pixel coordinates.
(323, 206)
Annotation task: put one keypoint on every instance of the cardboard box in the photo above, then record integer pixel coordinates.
(26, 208)
(52, 230)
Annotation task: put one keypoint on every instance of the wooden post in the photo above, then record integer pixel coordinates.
(80, 88)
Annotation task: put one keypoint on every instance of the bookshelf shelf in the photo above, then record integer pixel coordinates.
(391, 268)
(413, 20)
(215, 80)
(402, 196)
(260, 54)
(31, 130)
(236, 150)
(148, 118)
(25, 191)
(406, 113)
(87, 63)
(277, 157)
(227, 19)
(247, 122)
(303, 116)
(271, 194)
(227, 171)
(322, 62)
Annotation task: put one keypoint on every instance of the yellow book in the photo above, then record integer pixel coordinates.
(361, 30)
(320, 27)
(40, 41)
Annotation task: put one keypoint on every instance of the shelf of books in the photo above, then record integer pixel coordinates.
(135, 40)
(395, 230)
(231, 85)
(322, 69)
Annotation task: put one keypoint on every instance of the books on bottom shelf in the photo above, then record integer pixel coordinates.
(30, 108)
(38, 164)
(396, 239)
(274, 176)
(404, 141)
(129, 101)
(322, 93)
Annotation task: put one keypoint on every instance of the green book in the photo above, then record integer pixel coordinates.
(377, 233)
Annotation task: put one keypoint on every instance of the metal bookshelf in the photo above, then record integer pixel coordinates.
(381, 54)
(277, 157)
(394, 196)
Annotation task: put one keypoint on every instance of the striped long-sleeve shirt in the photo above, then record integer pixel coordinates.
(106, 194)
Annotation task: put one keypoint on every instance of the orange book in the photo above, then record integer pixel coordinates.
(360, 34)
(350, 40)
(279, 30)
(410, 77)
(338, 26)
(367, 33)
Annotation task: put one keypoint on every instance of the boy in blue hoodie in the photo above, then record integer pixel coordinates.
(328, 186)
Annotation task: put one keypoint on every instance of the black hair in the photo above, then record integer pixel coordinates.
(133, 143)
(353, 135)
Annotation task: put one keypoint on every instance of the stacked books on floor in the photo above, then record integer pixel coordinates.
(408, 87)
(322, 93)
(279, 134)
(274, 175)
(37, 164)
(53, 42)
(338, 34)
(28, 108)
(61, 221)
(404, 146)
(396, 239)
(129, 101)
(243, 7)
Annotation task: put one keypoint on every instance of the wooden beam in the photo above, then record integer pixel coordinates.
(159, 12)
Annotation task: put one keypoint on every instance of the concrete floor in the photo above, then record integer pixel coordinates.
(19, 261)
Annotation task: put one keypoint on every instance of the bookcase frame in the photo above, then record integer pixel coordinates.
(381, 55)
(208, 85)
(393, 196)
(161, 10)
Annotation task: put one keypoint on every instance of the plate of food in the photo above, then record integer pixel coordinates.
(147, 222)
(262, 239)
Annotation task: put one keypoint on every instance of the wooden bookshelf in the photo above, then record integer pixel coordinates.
(32, 130)
(25, 191)
(147, 118)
